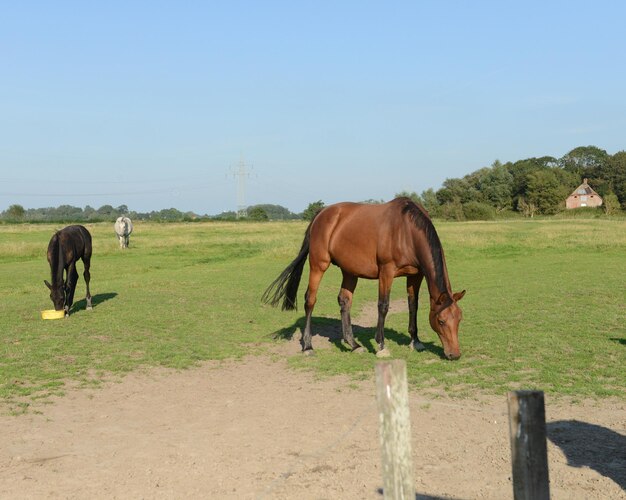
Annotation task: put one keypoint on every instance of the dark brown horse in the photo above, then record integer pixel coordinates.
(374, 242)
(65, 248)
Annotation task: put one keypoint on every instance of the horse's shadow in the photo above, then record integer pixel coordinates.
(96, 300)
(330, 329)
(593, 446)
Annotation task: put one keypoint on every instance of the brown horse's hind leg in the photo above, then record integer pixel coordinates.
(310, 297)
(413, 284)
(384, 289)
(87, 277)
(345, 304)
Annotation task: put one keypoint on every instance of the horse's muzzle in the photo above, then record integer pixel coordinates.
(452, 357)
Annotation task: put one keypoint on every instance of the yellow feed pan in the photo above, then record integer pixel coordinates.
(52, 314)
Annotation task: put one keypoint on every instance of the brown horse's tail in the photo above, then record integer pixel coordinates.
(285, 287)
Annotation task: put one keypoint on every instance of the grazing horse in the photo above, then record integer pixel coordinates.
(65, 248)
(374, 242)
(123, 228)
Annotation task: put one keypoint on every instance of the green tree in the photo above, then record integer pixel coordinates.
(528, 209)
(586, 161)
(15, 212)
(610, 203)
(473, 180)
(312, 210)
(616, 176)
(429, 200)
(520, 170)
(89, 212)
(170, 214)
(458, 191)
(106, 211)
(274, 212)
(496, 185)
(545, 192)
(67, 213)
(568, 180)
(229, 215)
(257, 214)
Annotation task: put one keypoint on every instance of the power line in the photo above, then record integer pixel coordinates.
(132, 192)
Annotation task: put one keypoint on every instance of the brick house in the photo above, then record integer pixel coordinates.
(583, 196)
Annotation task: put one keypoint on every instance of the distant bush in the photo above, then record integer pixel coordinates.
(474, 210)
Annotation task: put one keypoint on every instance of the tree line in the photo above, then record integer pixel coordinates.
(108, 213)
(528, 187)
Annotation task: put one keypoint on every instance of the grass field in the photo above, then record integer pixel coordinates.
(545, 307)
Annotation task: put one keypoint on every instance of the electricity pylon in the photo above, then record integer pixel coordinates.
(241, 173)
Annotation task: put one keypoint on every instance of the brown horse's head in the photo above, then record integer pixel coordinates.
(445, 316)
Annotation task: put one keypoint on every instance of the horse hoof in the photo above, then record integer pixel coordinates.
(383, 353)
(359, 350)
(417, 346)
(308, 352)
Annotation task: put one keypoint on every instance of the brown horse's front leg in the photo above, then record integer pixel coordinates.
(70, 287)
(413, 284)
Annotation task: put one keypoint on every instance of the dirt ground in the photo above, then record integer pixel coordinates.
(255, 429)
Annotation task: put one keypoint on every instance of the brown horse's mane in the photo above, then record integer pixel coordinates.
(421, 220)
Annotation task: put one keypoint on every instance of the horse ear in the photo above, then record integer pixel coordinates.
(458, 296)
(48, 284)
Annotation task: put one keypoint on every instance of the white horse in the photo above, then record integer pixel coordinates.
(123, 228)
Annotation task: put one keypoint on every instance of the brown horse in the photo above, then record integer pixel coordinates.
(374, 242)
(65, 248)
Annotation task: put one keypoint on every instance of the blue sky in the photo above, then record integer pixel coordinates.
(153, 104)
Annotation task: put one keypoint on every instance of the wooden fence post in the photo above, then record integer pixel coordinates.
(395, 429)
(529, 453)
